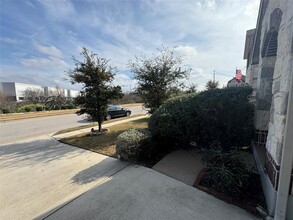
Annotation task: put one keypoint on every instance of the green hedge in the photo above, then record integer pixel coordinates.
(30, 108)
(6, 111)
(131, 144)
(224, 116)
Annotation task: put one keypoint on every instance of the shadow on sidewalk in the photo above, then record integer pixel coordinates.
(104, 169)
(35, 152)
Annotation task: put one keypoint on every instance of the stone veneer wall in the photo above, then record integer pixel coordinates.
(281, 78)
(270, 79)
(280, 89)
(251, 78)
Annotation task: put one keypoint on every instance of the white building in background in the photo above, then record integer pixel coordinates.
(72, 93)
(15, 90)
(51, 91)
(67, 93)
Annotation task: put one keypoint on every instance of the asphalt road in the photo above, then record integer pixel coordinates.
(15, 131)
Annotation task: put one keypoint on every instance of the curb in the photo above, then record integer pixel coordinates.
(86, 130)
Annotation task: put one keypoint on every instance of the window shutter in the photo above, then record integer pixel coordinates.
(270, 45)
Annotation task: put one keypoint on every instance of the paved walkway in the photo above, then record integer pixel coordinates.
(183, 165)
(36, 176)
(87, 130)
(45, 179)
(140, 193)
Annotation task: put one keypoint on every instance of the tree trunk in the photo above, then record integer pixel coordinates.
(100, 125)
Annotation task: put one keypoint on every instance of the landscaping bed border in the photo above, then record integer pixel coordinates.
(221, 196)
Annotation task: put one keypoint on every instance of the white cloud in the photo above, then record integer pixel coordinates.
(210, 4)
(8, 40)
(251, 8)
(209, 34)
(41, 63)
(59, 10)
(127, 84)
(186, 51)
(49, 50)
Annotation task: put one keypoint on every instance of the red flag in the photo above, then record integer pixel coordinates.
(238, 75)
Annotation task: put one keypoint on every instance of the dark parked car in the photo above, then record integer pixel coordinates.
(117, 111)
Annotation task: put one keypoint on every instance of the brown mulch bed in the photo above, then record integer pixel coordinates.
(248, 200)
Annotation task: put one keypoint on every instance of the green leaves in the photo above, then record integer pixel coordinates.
(212, 85)
(222, 115)
(157, 76)
(226, 170)
(96, 75)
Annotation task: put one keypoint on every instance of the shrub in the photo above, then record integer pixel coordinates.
(56, 107)
(28, 109)
(20, 109)
(71, 106)
(226, 171)
(6, 111)
(63, 107)
(221, 115)
(39, 108)
(170, 120)
(130, 144)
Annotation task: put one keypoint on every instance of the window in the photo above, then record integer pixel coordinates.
(270, 45)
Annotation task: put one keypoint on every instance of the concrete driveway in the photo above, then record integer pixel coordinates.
(46, 179)
(140, 193)
(39, 175)
(43, 178)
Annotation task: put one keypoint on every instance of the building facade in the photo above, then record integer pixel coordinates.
(15, 90)
(269, 54)
(235, 83)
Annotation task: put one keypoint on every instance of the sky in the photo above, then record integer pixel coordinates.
(39, 37)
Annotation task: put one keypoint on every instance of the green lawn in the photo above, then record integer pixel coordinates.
(94, 124)
(104, 144)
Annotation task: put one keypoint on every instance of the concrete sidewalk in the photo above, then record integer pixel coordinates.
(183, 165)
(38, 175)
(87, 130)
(140, 193)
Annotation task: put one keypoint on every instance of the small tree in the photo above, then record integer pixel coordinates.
(55, 102)
(34, 96)
(3, 100)
(212, 84)
(157, 76)
(96, 75)
(55, 98)
(191, 89)
(7, 103)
